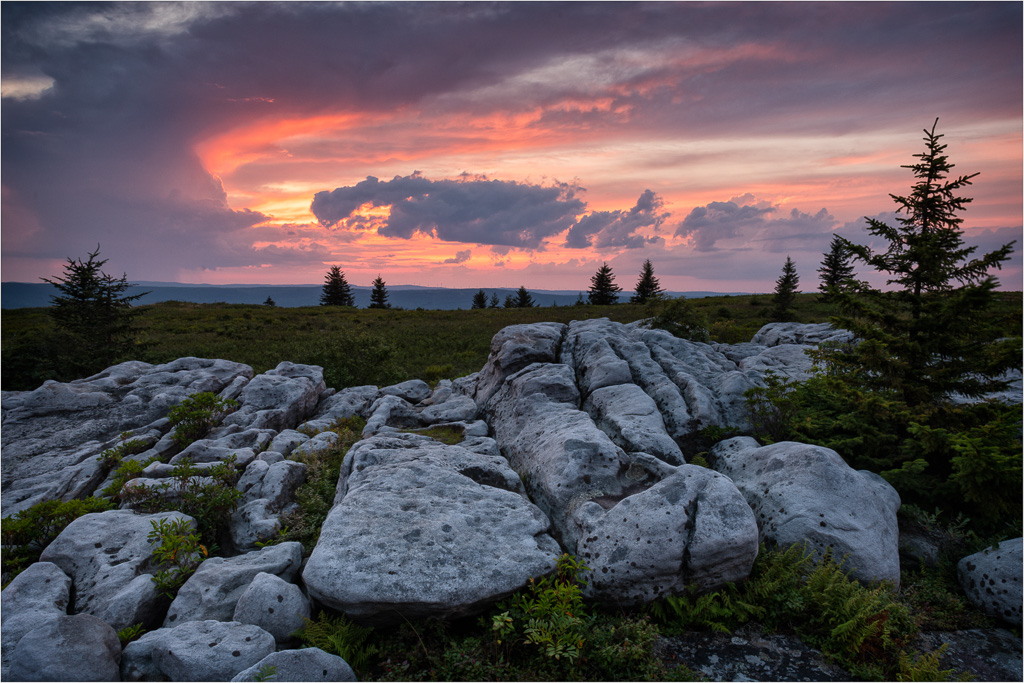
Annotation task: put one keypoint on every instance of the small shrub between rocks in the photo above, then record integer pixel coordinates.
(196, 415)
(176, 547)
(130, 633)
(112, 457)
(339, 636)
(27, 533)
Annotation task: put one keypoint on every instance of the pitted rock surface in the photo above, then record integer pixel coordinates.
(801, 493)
(992, 580)
(39, 594)
(426, 529)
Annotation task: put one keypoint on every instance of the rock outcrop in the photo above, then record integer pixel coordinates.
(576, 439)
(992, 580)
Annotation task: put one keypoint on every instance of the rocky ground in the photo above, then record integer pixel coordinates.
(576, 439)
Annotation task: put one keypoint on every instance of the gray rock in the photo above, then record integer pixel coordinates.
(801, 493)
(512, 349)
(413, 391)
(37, 595)
(196, 651)
(424, 529)
(213, 591)
(273, 604)
(46, 430)
(390, 411)
(287, 441)
(992, 580)
(788, 361)
(774, 334)
(110, 560)
(280, 398)
(307, 664)
(586, 349)
(691, 529)
(349, 402)
(985, 655)
(320, 442)
(455, 409)
(632, 420)
(76, 647)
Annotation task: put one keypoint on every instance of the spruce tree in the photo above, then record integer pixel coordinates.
(493, 301)
(379, 294)
(603, 290)
(510, 301)
(836, 269)
(269, 302)
(93, 317)
(336, 290)
(930, 335)
(480, 299)
(785, 292)
(523, 299)
(647, 287)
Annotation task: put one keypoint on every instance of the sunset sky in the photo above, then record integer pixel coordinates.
(492, 145)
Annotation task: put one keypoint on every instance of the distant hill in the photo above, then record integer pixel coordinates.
(36, 294)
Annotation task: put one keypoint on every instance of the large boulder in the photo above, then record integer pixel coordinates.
(801, 493)
(195, 651)
(424, 529)
(76, 647)
(280, 398)
(645, 527)
(992, 580)
(213, 591)
(512, 349)
(109, 558)
(37, 595)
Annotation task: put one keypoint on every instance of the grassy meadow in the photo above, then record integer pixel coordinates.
(371, 346)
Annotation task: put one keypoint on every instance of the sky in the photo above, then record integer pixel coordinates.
(493, 145)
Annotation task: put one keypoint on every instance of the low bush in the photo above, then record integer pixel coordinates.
(339, 636)
(176, 548)
(26, 534)
(196, 415)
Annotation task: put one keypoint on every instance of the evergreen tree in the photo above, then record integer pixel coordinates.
(93, 317)
(480, 299)
(930, 335)
(603, 290)
(580, 301)
(647, 287)
(836, 269)
(379, 294)
(493, 301)
(336, 290)
(510, 301)
(523, 299)
(270, 302)
(785, 292)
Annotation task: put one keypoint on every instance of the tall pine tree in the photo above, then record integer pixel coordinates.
(379, 294)
(836, 269)
(647, 287)
(603, 290)
(493, 301)
(480, 299)
(336, 290)
(930, 335)
(785, 292)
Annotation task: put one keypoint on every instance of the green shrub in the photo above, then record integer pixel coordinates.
(209, 502)
(130, 633)
(353, 359)
(196, 415)
(315, 497)
(433, 373)
(125, 472)
(177, 549)
(112, 456)
(27, 533)
(679, 317)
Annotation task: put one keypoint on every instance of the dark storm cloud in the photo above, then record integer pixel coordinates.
(604, 229)
(480, 211)
(460, 256)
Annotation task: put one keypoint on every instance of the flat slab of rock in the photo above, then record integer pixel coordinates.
(423, 529)
(39, 594)
(808, 493)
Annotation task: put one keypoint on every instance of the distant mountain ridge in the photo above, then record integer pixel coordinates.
(38, 294)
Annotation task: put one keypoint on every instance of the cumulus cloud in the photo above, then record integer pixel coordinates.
(460, 257)
(731, 225)
(479, 211)
(603, 229)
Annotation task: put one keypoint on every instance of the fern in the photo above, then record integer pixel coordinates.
(341, 637)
